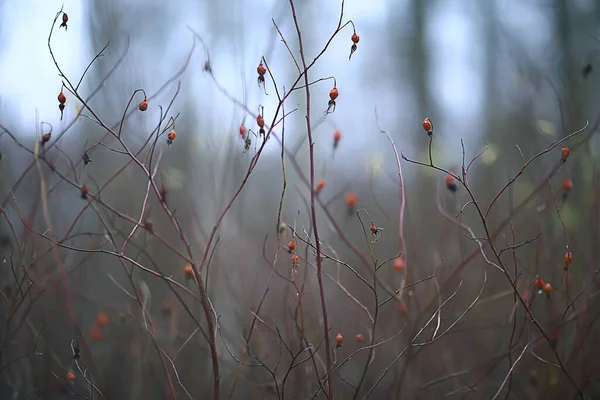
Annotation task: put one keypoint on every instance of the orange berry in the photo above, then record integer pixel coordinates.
(337, 135)
(339, 339)
(351, 199)
(547, 287)
(399, 264)
(567, 185)
(320, 185)
(539, 283)
(360, 337)
(450, 182)
(568, 258)
(189, 271)
(427, 125)
(70, 374)
(143, 106)
(260, 121)
(242, 130)
(295, 259)
(333, 94)
(355, 38)
(62, 99)
(96, 333)
(291, 245)
(102, 319)
(565, 152)
(46, 137)
(261, 69)
(172, 135)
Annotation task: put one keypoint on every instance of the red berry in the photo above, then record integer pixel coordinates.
(567, 185)
(320, 185)
(450, 182)
(189, 272)
(399, 264)
(568, 259)
(427, 125)
(102, 319)
(337, 135)
(291, 245)
(539, 283)
(333, 94)
(351, 199)
(261, 69)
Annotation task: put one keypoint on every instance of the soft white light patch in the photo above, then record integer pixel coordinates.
(28, 77)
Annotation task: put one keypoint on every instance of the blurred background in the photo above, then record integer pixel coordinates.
(512, 75)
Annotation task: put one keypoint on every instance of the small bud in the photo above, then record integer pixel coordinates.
(337, 135)
(162, 191)
(568, 259)
(65, 19)
(320, 185)
(84, 192)
(86, 158)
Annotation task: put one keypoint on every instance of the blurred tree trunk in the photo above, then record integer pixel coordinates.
(419, 56)
(418, 72)
(490, 44)
(567, 73)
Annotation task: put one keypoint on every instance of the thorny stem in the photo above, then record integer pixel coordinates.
(313, 208)
(204, 300)
(484, 222)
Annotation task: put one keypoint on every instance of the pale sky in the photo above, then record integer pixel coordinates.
(29, 80)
